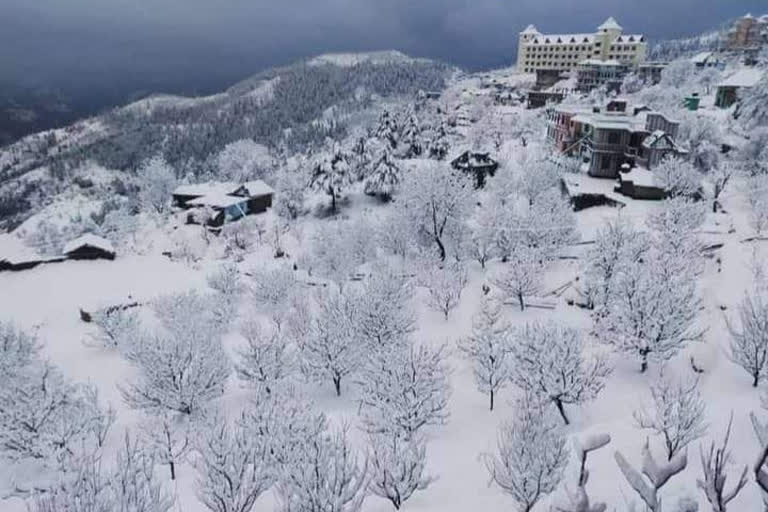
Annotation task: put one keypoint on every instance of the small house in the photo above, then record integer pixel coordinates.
(656, 147)
(14, 255)
(183, 194)
(479, 165)
(640, 183)
(226, 202)
(259, 196)
(728, 91)
(89, 247)
(226, 208)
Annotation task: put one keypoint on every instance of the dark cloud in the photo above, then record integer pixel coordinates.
(190, 45)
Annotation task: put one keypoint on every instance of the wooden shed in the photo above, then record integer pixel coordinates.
(14, 255)
(89, 247)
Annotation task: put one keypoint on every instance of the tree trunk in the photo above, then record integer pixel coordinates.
(173, 470)
(337, 385)
(333, 201)
(522, 301)
(755, 379)
(644, 362)
(561, 410)
(714, 206)
(440, 247)
(492, 397)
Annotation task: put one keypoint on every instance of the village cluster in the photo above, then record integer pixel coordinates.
(541, 288)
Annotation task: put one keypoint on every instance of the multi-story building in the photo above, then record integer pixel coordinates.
(609, 138)
(594, 73)
(565, 51)
(747, 32)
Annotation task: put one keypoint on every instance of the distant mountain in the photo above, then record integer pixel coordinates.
(293, 108)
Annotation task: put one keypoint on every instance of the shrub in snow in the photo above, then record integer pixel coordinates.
(531, 455)
(398, 467)
(228, 288)
(548, 360)
(130, 486)
(578, 500)
(677, 414)
(331, 348)
(653, 476)
(267, 360)
(157, 180)
(115, 326)
(328, 475)
(521, 276)
(179, 372)
(714, 465)
(653, 312)
(445, 284)
(18, 349)
(488, 349)
(271, 288)
(749, 344)
(404, 390)
(233, 467)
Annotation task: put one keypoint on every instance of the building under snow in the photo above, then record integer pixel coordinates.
(226, 201)
(729, 89)
(564, 52)
(747, 33)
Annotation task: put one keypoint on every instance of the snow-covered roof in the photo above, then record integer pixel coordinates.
(563, 39)
(217, 200)
(204, 189)
(258, 188)
(13, 250)
(701, 58)
(746, 77)
(610, 24)
(598, 62)
(530, 29)
(89, 240)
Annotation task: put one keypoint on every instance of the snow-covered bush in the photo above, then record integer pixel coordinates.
(749, 341)
(445, 284)
(157, 181)
(115, 326)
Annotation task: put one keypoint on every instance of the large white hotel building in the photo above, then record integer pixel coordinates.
(565, 51)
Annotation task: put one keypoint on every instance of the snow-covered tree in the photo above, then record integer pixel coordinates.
(677, 414)
(488, 349)
(290, 186)
(678, 73)
(244, 160)
(157, 182)
(704, 139)
(549, 361)
(404, 390)
(438, 145)
(578, 500)
(332, 174)
(228, 287)
(445, 284)
(678, 177)
(749, 343)
(169, 437)
(177, 372)
(384, 315)
(521, 276)
(653, 312)
(114, 326)
(531, 455)
(751, 111)
(233, 467)
(18, 349)
(384, 176)
(130, 486)
(271, 288)
(673, 233)
(398, 467)
(656, 475)
(535, 174)
(718, 179)
(267, 360)
(331, 349)
(549, 224)
(411, 137)
(47, 418)
(617, 244)
(328, 475)
(714, 466)
(387, 130)
(488, 220)
(339, 248)
(757, 200)
(434, 201)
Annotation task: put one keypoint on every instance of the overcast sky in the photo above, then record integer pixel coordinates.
(209, 43)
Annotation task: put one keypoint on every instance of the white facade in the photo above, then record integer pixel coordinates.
(565, 51)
